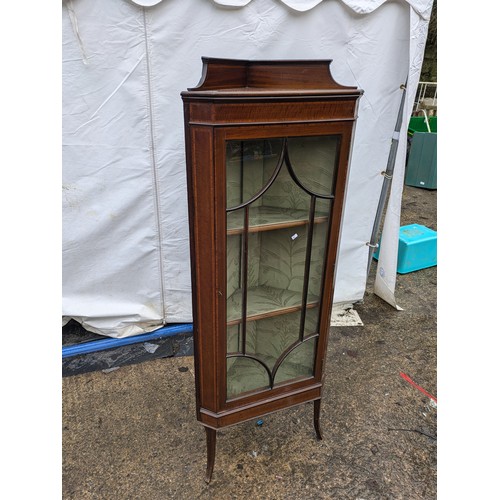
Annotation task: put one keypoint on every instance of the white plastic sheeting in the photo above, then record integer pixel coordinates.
(125, 227)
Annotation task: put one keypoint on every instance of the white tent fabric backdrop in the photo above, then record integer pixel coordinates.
(126, 263)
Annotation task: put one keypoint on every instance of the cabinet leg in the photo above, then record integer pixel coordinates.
(317, 407)
(211, 440)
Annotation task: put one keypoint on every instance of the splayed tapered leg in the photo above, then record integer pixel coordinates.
(211, 440)
(317, 407)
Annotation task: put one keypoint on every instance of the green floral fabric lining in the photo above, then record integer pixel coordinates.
(276, 258)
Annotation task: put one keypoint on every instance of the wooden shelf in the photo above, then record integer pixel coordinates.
(265, 218)
(264, 302)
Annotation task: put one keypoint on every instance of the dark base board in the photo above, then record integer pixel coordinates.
(110, 359)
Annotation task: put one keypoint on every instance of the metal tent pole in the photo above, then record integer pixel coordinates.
(373, 243)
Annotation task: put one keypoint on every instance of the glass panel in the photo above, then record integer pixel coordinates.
(233, 259)
(274, 335)
(316, 270)
(234, 275)
(299, 363)
(314, 161)
(245, 162)
(233, 339)
(276, 248)
(245, 374)
(266, 340)
(286, 194)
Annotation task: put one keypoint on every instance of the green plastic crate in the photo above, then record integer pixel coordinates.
(417, 124)
(421, 167)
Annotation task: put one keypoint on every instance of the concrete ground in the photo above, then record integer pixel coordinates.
(132, 433)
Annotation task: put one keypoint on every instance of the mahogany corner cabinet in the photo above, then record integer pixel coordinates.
(267, 154)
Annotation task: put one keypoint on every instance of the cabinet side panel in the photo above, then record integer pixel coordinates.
(202, 234)
(338, 206)
(201, 112)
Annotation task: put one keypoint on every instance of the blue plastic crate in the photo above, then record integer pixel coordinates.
(417, 248)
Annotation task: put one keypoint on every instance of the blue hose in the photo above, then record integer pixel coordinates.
(110, 343)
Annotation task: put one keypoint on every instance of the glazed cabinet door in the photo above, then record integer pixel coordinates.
(279, 195)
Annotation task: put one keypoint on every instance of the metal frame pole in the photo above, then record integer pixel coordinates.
(373, 243)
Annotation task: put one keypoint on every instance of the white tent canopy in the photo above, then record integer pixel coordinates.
(125, 225)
